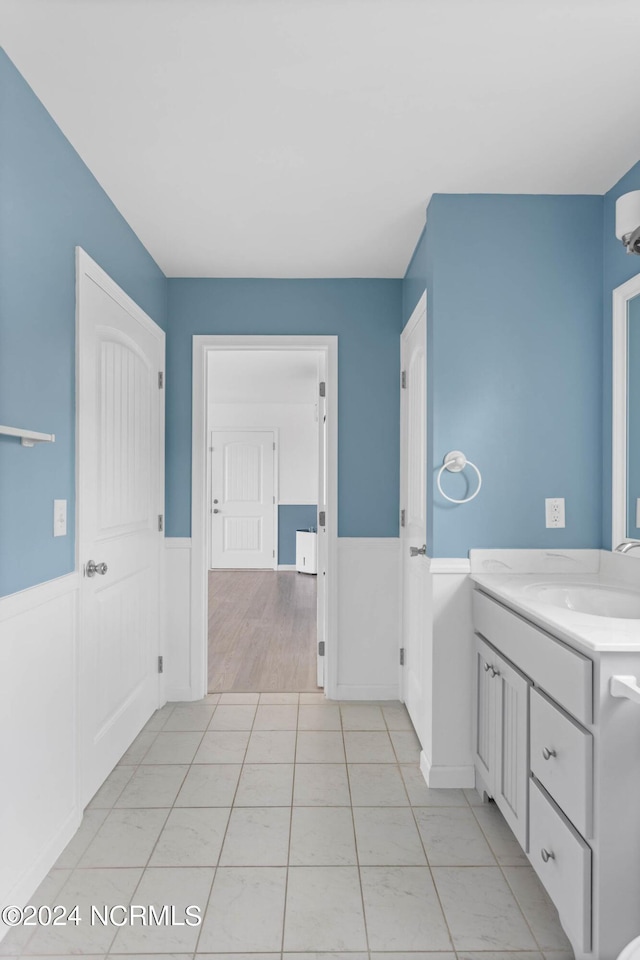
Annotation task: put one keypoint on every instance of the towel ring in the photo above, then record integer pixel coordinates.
(455, 461)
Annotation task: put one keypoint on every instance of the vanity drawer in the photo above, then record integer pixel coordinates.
(562, 760)
(566, 873)
(563, 673)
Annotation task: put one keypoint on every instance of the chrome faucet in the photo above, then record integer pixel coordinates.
(627, 545)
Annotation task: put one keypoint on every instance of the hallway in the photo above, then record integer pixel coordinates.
(262, 631)
(296, 825)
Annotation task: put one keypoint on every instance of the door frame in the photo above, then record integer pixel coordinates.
(276, 479)
(199, 634)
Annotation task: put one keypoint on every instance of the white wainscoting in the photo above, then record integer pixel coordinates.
(177, 620)
(447, 759)
(369, 618)
(39, 810)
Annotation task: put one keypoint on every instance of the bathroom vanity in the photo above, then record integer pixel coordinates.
(557, 746)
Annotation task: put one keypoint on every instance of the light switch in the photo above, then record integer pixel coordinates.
(59, 518)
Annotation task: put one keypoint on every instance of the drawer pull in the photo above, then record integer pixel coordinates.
(487, 667)
(494, 672)
(547, 855)
(547, 753)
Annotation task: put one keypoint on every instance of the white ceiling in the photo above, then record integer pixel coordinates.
(263, 376)
(303, 138)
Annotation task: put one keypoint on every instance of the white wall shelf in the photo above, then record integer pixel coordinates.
(28, 437)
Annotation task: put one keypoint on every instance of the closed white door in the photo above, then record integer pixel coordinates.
(413, 528)
(120, 437)
(242, 499)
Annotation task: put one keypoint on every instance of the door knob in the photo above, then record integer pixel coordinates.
(418, 551)
(92, 568)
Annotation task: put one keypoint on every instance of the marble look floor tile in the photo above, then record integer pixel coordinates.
(322, 836)
(324, 910)
(173, 748)
(501, 955)
(213, 698)
(191, 837)
(17, 938)
(222, 746)
(406, 745)
(276, 717)
(196, 716)
(246, 911)
(271, 746)
(279, 698)
(179, 887)
(239, 956)
(265, 785)
(504, 845)
(539, 911)
(138, 748)
(387, 836)
(473, 797)
(153, 786)
(365, 746)
(112, 787)
(234, 699)
(307, 698)
(158, 719)
(239, 717)
(414, 955)
(85, 888)
(319, 716)
(362, 717)
(320, 746)
(125, 839)
(558, 955)
(209, 785)
(257, 836)
(420, 795)
(327, 955)
(452, 837)
(402, 909)
(376, 785)
(321, 785)
(396, 717)
(481, 911)
(91, 823)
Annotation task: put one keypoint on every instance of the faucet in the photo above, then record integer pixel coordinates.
(627, 545)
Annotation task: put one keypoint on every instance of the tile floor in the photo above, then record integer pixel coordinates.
(300, 827)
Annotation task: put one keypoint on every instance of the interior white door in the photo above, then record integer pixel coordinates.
(413, 528)
(242, 499)
(322, 549)
(120, 437)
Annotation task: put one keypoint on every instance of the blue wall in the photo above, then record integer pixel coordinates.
(515, 376)
(619, 266)
(292, 517)
(367, 317)
(49, 203)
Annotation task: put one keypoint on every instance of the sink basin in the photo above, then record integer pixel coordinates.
(596, 599)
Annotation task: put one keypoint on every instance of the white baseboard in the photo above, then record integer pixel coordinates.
(439, 777)
(286, 566)
(351, 692)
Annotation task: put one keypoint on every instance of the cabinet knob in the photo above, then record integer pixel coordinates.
(547, 753)
(487, 667)
(547, 855)
(494, 672)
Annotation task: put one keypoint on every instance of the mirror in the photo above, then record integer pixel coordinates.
(626, 412)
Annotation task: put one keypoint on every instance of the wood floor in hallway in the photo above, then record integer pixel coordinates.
(262, 631)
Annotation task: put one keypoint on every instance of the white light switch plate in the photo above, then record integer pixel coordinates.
(554, 511)
(59, 518)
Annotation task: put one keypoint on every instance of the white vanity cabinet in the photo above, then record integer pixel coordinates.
(561, 758)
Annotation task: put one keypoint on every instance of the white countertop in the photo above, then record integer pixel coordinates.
(585, 632)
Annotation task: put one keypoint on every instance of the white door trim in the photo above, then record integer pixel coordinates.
(621, 296)
(202, 344)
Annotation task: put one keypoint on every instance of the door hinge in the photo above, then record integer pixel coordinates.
(403, 518)
(322, 388)
(321, 649)
(403, 380)
(273, 553)
(274, 499)
(322, 519)
(160, 664)
(160, 380)
(402, 656)
(160, 522)
(274, 444)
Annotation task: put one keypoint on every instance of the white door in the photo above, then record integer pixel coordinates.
(413, 528)
(120, 438)
(322, 551)
(242, 499)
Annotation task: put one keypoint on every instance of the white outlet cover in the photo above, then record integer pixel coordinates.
(59, 518)
(554, 511)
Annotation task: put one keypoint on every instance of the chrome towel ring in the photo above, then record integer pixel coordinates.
(455, 461)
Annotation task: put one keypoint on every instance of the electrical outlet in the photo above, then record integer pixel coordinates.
(59, 518)
(554, 511)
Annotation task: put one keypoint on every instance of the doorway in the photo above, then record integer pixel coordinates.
(263, 517)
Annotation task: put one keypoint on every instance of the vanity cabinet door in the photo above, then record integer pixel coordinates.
(512, 748)
(485, 711)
